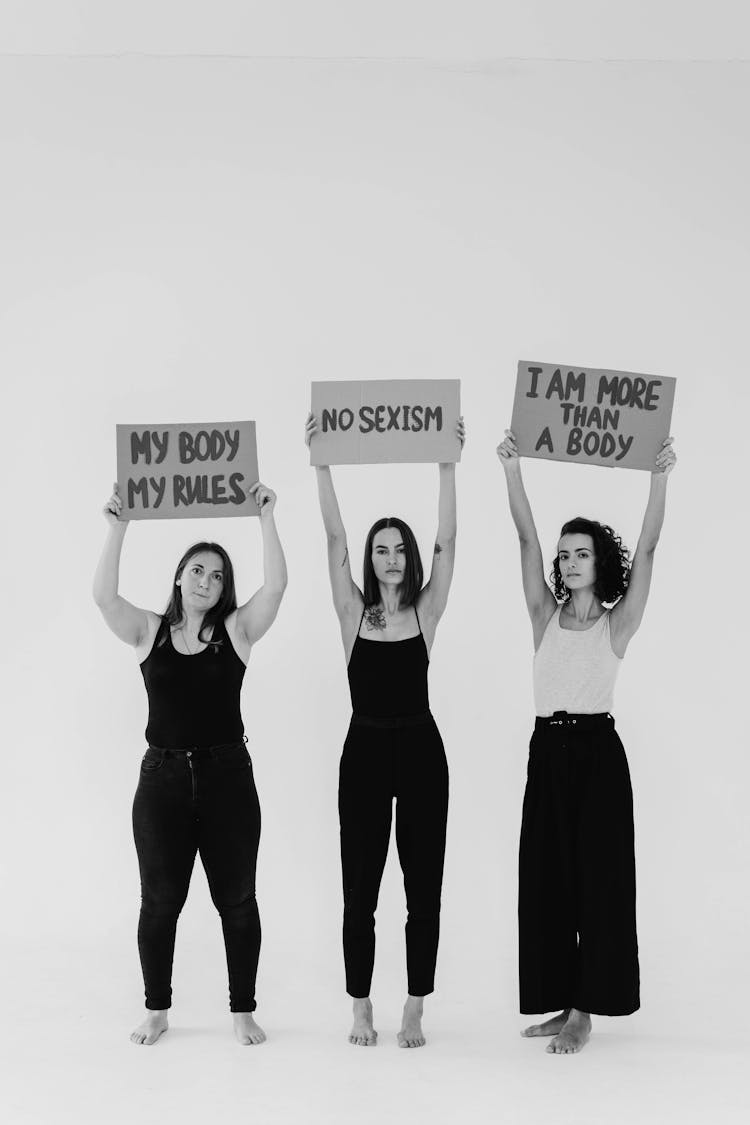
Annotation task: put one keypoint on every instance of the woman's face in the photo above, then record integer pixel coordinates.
(389, 556)
(575, 557)
(202, 581)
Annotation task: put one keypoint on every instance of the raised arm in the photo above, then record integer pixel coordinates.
(347, 597)
(126, 621)
(540, 600)
(434, 596)
(628, 613)
(257, 615)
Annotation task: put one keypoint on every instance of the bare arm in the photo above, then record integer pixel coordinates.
(127, 621)
(628, 613)
(434, 596)
(258, 614)
(347, 598)
(540, 601)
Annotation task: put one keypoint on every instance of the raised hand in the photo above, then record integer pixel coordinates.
(112, 510)
(666, 459)
(507, 450)
(264, 497)
(311, 428)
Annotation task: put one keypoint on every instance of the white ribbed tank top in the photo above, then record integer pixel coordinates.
(575, 670)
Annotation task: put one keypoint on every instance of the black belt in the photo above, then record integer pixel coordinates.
(570, 719)
(238, 742)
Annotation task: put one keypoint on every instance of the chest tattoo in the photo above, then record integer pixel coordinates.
(374, 617)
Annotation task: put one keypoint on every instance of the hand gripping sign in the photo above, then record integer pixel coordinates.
(385, 420)
(185, 471)
(594, 416)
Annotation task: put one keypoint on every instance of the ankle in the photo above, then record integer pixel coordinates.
(578, 1016)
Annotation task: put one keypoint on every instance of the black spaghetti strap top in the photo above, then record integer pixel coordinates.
(193, 700)
(388, 679)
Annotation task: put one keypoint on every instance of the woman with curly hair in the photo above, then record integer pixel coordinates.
(578, 950)
(393, 748)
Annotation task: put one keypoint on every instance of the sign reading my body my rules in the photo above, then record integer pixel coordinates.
(187, 470)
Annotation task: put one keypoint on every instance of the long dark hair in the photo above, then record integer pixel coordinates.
(226, 604)
(611, 556)
(413, 574)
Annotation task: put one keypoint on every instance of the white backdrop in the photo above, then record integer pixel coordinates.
(194, 240)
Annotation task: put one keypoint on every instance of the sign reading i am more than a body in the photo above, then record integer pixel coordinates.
(375, 421)
(188, 470)
(591, 415)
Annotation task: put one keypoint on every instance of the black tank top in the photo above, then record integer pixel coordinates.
(193, 700)
(388, 679)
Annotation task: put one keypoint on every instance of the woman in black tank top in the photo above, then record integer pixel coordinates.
(393, 748)
(196, 791)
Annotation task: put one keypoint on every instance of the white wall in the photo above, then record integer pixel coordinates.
(413, 29)
(197, 239)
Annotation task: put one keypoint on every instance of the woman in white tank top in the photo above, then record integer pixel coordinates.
(576, 857)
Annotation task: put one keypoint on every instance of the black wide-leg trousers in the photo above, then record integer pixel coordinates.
(203, 800)
(381, 761)
(576, 906)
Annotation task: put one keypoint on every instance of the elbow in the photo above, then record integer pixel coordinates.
(647, 547)
(101, 599)
(277, 587)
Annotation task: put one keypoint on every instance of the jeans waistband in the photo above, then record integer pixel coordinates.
(206, 751)
(394, 721)
(569, 719)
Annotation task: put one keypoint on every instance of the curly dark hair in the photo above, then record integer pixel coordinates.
(612, 559)
(413, 573)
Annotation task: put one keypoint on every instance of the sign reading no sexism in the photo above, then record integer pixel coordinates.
(184, 471)
(385, 420)
(599, 417)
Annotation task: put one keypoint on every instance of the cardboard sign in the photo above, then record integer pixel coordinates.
(183, 471)
(386, 420)
(597, 417)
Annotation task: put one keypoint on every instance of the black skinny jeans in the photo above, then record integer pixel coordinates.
(187, 801)
(382, 761)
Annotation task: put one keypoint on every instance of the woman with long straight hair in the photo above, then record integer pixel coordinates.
(196, 791)
(578, 949)
(393, 748)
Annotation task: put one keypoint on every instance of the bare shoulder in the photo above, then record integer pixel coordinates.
(540, 620)
(146, 643)
(237, 636)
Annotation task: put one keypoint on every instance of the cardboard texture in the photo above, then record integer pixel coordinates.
(591, 415)
(187, 470)
(378, 421)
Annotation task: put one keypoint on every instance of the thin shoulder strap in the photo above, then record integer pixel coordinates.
(364, 607)
(162, 634)
(419, 623)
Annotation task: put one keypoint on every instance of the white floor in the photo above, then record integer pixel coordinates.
(67, 1058)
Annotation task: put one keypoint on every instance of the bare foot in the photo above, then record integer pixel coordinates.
(410, 1034)
(574, 1035)
(154, 1025)
(246, 1029)
(549, 1027)
(363, 1034)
